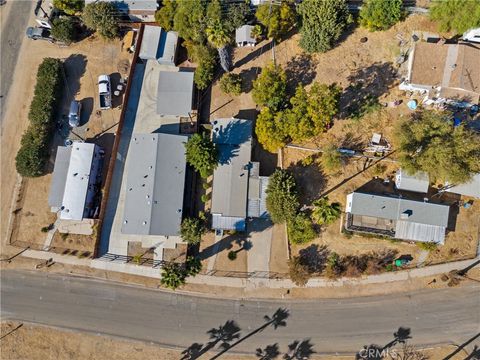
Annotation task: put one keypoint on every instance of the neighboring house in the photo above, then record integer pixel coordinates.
(175, 94)
(135, 10)
(470, 189)
(418, 182)
(444, 73)
(76, 180)
(160, 45)
(238, 190)
(243, 36)
(397, 217)
(155, 185)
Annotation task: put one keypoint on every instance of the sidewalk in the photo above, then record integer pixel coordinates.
(254, 283)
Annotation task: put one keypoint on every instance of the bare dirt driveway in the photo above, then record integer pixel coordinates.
(14, 16)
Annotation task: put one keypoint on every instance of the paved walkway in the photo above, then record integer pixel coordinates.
(252, 283)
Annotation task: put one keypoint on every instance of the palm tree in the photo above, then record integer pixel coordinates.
(219, 37)
(325, 213)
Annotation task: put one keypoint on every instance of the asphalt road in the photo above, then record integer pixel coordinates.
(13, 29)
(343, 325)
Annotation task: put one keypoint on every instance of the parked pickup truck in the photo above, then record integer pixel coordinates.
(104, 90)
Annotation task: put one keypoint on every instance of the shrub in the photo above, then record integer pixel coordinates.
(173, 275)
(278, 19)
(193, 266)
(231, 84)
(33, 152)
(204, 198)
(63, 29)
(323, 21)
(282, 197)
(232, 255)
(271, 130)
(298, 271)
(102, 17)
(192, 230)
(380, 14)
(331, 159)
(70, 7)
(427, 246)
(300, 229)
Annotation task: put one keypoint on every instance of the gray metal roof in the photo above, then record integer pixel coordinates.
(157, 44)
(418, 182)
(471, 188)
(132, 5)
(419, 232)
(175, 93)
(244, 34)
(59, 178)
(230, 178)
(394, 208)
(155, 184)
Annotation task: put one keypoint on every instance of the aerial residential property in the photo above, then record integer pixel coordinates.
(226, 179)
(444, 72)
(396, 217)
(76, 181)
(238, 190)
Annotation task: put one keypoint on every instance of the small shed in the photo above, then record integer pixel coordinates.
(158, 44)
(243, 36)
(418, 182)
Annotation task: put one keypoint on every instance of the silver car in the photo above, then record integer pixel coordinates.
(74, 113)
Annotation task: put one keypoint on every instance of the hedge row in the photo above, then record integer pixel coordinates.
(34, 146)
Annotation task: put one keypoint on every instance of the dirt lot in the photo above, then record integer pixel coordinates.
(83, 62)
(34, 342)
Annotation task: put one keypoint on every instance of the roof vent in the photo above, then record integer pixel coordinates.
(144, 223)
(406, 214)
(125, 221)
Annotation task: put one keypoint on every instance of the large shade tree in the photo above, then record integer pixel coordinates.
(380, 14)
(102, 17)
(432, 144)
(323, 21)
(270, 88)
(456, 15)
(282, 196)
(277, 18)
(202, 154)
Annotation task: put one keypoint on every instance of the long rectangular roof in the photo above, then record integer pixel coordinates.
(59, 178)
(395, 208)
(175, 93)
(77, 181)
(230, 179)
(155, 184)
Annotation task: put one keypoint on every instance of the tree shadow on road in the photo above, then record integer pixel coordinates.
(378, 352)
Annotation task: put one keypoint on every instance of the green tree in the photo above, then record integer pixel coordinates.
(282, 197)
(102, 17)
(270, 88)
(298, 271)
(231, 83)
(63, 29)
(237, 14)
(300, 229)
(206, 59)
(380, 14)
(430, 143)
(277, 19)
(312, 112)
(70, 7)
(270, 130)
(323, 21)
(331, 159)
(219, 33)
(325, 213)
(456, 15)
(202, 154)
(165, 15)
(192, 230)
(193, 266)
(190, 20)
(173, 275)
